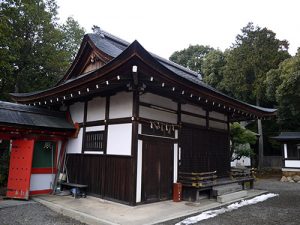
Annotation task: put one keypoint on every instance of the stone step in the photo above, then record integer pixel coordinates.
(226, 189)
(232, 196)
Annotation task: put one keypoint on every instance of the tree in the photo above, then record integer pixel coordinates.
(73, 34)
(213, 69)
(283, 85)
(192, 57)
(255, 52)
(240, 140)
(34, 50)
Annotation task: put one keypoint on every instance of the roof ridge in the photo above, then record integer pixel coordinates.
(161, 59)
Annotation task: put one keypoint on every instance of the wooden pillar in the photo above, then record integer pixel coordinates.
(84, 124)
(207, 119)
(134, 139)
(179, 136)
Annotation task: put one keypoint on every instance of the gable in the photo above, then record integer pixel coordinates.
(88, 58)
(92, 62)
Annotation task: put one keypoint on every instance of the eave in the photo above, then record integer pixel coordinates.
(118, 72)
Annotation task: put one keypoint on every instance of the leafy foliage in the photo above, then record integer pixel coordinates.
(255, 52)
(35, 50)
(192, 57)
(73, 34)
(241, 138)
(283, 85)
(213, 69)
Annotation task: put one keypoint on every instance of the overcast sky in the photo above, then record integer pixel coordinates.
(165, 26)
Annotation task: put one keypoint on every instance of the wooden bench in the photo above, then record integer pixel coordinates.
(194, 182)
(243, 175)
(80, 189)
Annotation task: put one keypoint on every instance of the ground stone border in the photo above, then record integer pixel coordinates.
(292, 179)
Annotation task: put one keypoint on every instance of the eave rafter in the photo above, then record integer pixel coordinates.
(150, 74)
(181, 90)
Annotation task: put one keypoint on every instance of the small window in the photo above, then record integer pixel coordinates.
(94, 141)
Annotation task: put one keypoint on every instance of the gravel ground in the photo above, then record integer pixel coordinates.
(281, 210)
(33, 214)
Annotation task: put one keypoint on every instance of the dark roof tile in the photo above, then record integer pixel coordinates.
(288, 136)
(17, 114)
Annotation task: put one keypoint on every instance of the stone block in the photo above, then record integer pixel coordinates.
(232, 196)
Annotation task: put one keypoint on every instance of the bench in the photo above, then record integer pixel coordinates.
(78, 190)
(194, 182)
(243, 175)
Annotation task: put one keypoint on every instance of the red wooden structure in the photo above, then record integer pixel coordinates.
(20, 169)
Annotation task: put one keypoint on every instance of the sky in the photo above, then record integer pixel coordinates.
(166, 26)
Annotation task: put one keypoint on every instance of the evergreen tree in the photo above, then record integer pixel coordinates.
(213, 69)
(283, 86)
(35, 51)
(255, 52)
(192, 57)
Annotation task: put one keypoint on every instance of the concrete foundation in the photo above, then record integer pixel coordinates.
(93, 210)
(232, 196)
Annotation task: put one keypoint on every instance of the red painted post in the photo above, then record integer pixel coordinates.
(177, 192)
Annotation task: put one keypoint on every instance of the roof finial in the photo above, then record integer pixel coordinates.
(97, 30)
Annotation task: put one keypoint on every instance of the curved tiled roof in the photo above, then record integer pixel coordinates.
(116, 47)
(14, 114)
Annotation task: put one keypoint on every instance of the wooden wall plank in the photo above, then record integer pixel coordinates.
(106, 176)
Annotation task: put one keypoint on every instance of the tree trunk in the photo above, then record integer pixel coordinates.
(260, 141)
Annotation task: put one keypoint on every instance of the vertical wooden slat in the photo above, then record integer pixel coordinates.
(93, 171)
(204, 150)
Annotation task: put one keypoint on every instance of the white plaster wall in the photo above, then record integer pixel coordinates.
(119, 139)
(158, 100)
(77, 111)
(41, 181)
(292, 163)
(96, 109)
(139, 171)
(75, 144)
(175, 169)
(218, 115)
(290, 169)
(218, 125)
(159, 115)
(193, 109)
(244, 161)
(193, 120)
(95, 128)
(121, 105)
